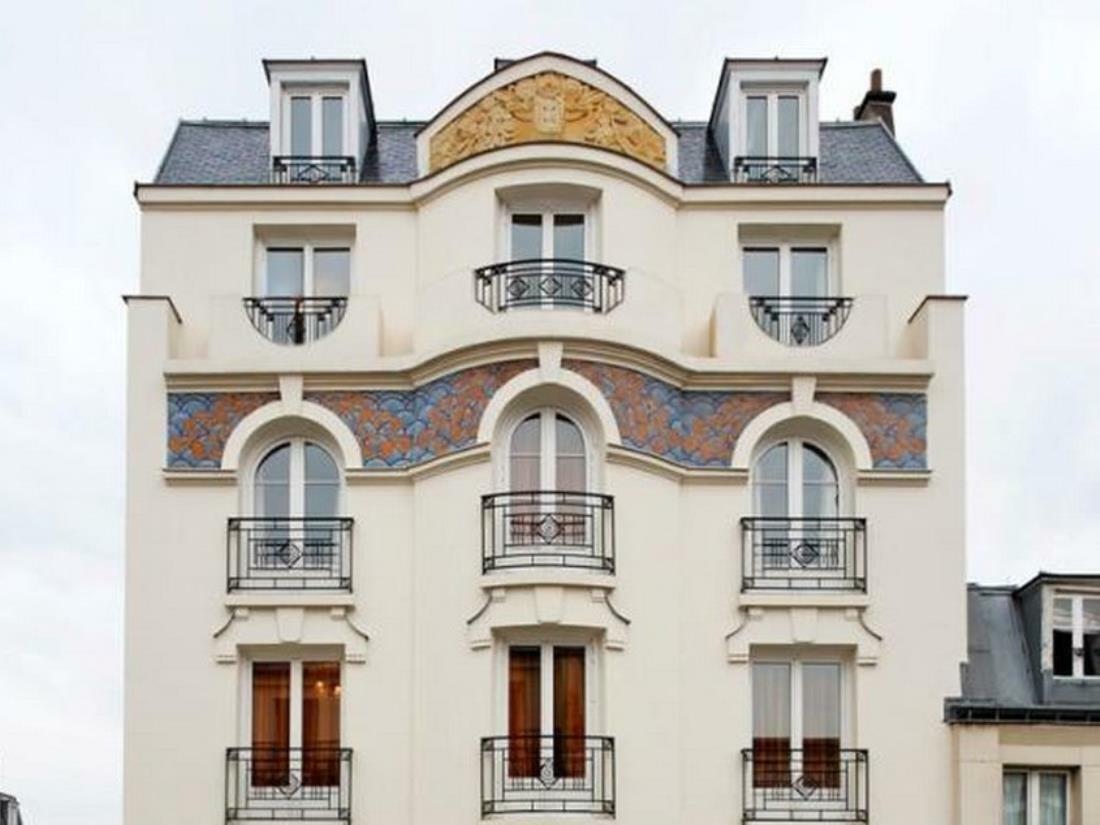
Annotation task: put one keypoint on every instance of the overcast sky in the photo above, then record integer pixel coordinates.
(998, 97)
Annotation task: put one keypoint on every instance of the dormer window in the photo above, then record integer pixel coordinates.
(775, 139)
(317, 123)
(1075, 642)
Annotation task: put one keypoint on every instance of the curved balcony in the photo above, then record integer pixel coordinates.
(312, 169)
(295, 320)
(820, 782)
(799, 321)
(777, 169)
(547, 774)
(289, 554)
(781, 554)
(548, 529)
(549, 282)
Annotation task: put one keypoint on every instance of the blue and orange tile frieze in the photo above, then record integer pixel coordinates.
(404, 428)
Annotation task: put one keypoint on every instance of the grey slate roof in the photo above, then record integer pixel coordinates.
(998, 669)
(226, 151)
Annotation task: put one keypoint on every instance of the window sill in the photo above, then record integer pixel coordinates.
(804, 598)
(552, 576)
(290, 599)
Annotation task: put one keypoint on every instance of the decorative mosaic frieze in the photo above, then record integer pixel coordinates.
(548, 106)
(693, 428)
(401, 428)
(199, 424)
(894, 424)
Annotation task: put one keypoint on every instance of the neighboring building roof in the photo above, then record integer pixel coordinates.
(206, 152)
(999, 683)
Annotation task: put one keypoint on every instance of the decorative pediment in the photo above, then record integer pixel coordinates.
(547, 106)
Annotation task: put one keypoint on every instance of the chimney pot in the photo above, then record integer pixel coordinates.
(876, 80)
(877, 104)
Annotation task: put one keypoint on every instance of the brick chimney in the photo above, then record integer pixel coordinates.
(877, 104)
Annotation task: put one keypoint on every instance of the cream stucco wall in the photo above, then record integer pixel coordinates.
(421, 691)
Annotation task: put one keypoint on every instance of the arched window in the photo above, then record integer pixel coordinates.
(796, 479)
(547, 452)
(297, 478)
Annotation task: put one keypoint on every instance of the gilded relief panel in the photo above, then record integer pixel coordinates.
(545, 107)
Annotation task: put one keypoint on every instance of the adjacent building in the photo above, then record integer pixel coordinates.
(548, 460)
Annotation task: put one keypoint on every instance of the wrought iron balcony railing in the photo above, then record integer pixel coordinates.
(285, 554)
(799, 321)
(548, 529)
(549, 282)
(313, 169)
(295, 320)
(819, 783)
(774, 169)
(288, 784)
(547, 774)
(804, 554)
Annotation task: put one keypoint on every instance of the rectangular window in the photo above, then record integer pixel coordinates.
(787, 133)
(569, 699)
(771, 724)
(809, 273)
(331, 272)
(761, 271)
(301, 126)
(309, 271)
(756, 127)
(320, 724)
(524, 710)
(786, 271)
(285, 272)
(1075, 636)
(569, 237)
(270, 724)
(526, 237)
(1035, 797)
(332, 126)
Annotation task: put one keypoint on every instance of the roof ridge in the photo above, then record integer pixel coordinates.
(222, 122)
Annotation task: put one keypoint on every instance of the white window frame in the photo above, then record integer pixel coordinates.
(308, 247)
(548, 208)
(297, 474)
(546, 641)
(795, 508)
(296, 661)
(547, 450)
(1078, 641)
(796, 660)
(773, 93)
(785, 248)
(316, 94)
(1034, 803)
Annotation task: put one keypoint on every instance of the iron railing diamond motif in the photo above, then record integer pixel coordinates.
(812, 553)
(304, 553)
(313, 169)
(310, 784)
(548, 282)
(822, 783)
(774, 169)
(799, 321)
(547, 774)
(548, 528)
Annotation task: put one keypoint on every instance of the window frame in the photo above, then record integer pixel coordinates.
(795, 475)
(297, 694)
(316, 95)
(797, 659)
(1077, 598)
(308, 247)
(548, 208)
(296, 476)
(786, 249)
(547, 450)
(772, 92)
(1034, 784)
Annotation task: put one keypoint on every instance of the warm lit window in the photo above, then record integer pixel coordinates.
(316, 123)
(306, 270)
(295, 724)
(797, 719)
(1036, 797)
(1076, 635)
(786, 270)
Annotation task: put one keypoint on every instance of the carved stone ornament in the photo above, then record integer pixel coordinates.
(547, 106)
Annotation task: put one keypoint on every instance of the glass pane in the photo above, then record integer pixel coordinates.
(570, 469)
(319, 465)
(526, 237)
(756, 127)
(285, 272)
(331, 272)
(809, 273)
(761, 271)
(1063, 613)
(524, 710)
(1052, 799)
(524, 455)
(771, 482)
(320, 724)
(1091, 635)
(787, 134)
(569, 722)
(1063, 636)
(1015, 799)
(569, 237)
(270, 724)
(301, 126)
(273, 483)
(821, 701)
(332, 126)
(819, 484)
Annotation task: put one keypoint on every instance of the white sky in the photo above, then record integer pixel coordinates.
(998, 97)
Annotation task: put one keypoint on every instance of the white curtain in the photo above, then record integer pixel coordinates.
(1052, 799)
(1015, 799)
(771, 700)
(821, 701)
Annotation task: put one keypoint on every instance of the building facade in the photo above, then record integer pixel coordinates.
(545, 460)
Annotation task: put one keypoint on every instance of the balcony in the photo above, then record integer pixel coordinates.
(548, 529)
(820, 784)
(313, 169)
(288, 784)
(548, 774)
(760, 169)
(815, 554)
(289, 554)
(799, 321)
(295, 320)
(549, 282)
